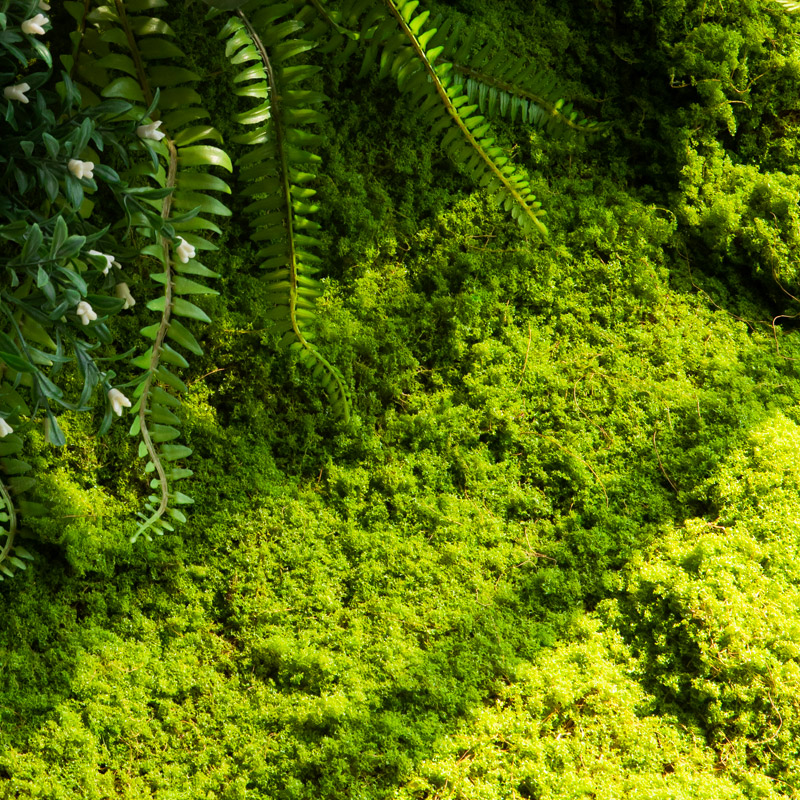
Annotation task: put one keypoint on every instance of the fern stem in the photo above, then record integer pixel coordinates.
(82, 32)
(157, 344)
(135, 54)
(323, 12)
(12, 522)
(287, 190)
(453, 111)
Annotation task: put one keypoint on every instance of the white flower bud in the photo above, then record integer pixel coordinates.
(5, 428)
(85, 312)
(109, 260)
(44, 6)
(81, 169)
(17, 92)
(122, 291)
(150, 131)
(118, 401)
(184, 250)
(33, 26)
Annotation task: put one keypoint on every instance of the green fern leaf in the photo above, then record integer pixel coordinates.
(279, 167)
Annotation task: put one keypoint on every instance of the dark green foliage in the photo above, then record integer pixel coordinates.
(125, 52)
(278, 173)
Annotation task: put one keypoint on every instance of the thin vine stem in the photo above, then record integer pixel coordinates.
(157, 345)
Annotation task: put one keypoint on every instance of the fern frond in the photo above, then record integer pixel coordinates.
(514, 92)
(278, 173)
(411, 56)
(14, 482)
(138, 63)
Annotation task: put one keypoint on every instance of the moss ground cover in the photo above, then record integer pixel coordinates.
(553, 554)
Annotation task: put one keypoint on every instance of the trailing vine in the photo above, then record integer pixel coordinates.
(172, 153)
(110, 174)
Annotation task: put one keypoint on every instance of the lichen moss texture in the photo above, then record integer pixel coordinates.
(554, 554)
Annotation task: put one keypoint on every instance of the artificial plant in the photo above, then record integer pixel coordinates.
(110, 170)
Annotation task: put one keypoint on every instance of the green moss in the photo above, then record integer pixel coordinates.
(552, 554)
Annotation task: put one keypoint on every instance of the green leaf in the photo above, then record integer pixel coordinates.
(206, 204)
(164, 416)
(32, 243)
(13, 466)
(143, 26)
(152, 49)
(181, 499)
(118, 61)
(11, 443)
(165, 376)
(180, 334)
(186, 309)
(204, 155)
(173, 452)
(171, 356)
(203, 182)
(186, 286)
(125, 88)
(163, 433)
(51, 144)
(197, 133)
(162, 396)
(16, 363)
(170, 75)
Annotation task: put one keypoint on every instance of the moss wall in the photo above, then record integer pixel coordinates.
(554, 554)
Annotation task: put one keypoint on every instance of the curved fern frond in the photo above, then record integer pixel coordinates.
(411, 55)
(14, 482)
(135, 61)
(278, 173)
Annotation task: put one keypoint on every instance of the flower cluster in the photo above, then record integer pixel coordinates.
(17, 92)
(122, 291)
(32, 27)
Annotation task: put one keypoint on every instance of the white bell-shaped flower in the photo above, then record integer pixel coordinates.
(118, 401)
(122, 291)
(110, 260)
(5, 428)
(85, 312)
(34, 25)
(17, 92)
(81, 169)
(150, 131)
(184, 250)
